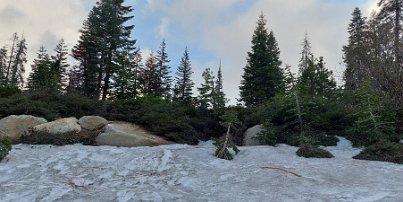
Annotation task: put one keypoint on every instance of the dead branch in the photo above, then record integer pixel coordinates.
(281, 169)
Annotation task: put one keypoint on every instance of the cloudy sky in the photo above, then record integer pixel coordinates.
(211, 29)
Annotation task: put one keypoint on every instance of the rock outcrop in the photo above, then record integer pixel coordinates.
(128, 135)
(16, 126)
(60, 126)
(250, 136)
(92, 122)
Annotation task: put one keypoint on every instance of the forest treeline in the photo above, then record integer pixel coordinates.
(111, 80)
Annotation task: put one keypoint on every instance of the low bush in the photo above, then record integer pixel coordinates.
(322, 119)
(7, 91)
(175, 121)
(5, 147)
(311, 151)
(383, 151)
(48, 105)
(85, 137)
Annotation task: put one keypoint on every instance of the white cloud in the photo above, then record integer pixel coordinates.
(162, 28)
(42, 22)
(370, 6)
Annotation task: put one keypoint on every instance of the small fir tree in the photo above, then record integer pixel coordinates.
(183, 81)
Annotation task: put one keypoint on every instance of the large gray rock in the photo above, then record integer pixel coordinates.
(92, 122)
(128, 135)
(15, 126)
(250, 136)
(60, 126)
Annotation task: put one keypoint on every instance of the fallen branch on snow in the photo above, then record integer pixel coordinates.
(281, 169)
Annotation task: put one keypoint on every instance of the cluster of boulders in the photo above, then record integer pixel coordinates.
(23, 127)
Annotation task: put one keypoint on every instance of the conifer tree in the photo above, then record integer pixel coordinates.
(11, 57)
(314, 78)
(391, 11)
(164, 72)
(183, 82)
(18, 65)
(306, 55)
(60, 65)
(207, 90)
(127, 80)
(262, 77)
(151, 76)
(41, 77)
(3, 66)
(219, 99)
(355, 52)
(103, 38)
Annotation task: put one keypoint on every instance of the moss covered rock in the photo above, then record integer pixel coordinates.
(311, 151)
(383, 151)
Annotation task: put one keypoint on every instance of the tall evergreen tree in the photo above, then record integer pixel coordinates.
(18, 65)
(3, 66)
(219, 99)
(355, 53)
(391, 11)
(262, 77)
(316, 80)
(104, 37)
(306, 55)
(41, 77)
(207, 90)
(11, 57)
(183, 82)
(60, 65)
(150, 75)
(164, 72)
(127, 80)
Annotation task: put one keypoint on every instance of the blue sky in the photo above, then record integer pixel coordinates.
(211, 29)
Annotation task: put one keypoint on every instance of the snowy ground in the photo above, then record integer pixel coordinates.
(192, 173)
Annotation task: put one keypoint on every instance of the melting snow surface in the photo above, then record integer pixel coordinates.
(192, 173)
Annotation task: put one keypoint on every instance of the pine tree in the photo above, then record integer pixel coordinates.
(3, 66)
(41, 77)
(104, 37)
(18, 66)
(306, 55)
(391, 11)
(314, 78)
(183, 82)
(219, 99)
(262, 77)
(60, 65)
(11, 57)
(355, 52)
(207, 90)
(164, 72)
(151, 76)
(127, 80)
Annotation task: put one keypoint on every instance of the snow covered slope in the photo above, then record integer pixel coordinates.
(192, 173)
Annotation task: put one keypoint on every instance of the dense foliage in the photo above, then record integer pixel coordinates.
(310, 151)
(262, 77)
(383, 151)
(5, 147)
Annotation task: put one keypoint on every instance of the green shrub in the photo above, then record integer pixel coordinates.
(311, 151)
(372, 120)
(322, 119)
(7, 91)
(383, 151)
(5, 147)
(84, 136)
(48, 105)
(175, 121)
